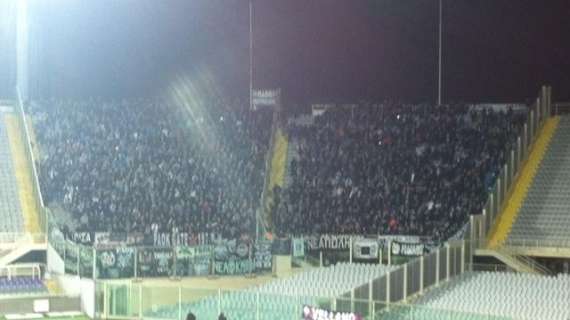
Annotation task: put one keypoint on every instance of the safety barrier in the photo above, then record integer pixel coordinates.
(31, 164)
(480, 225)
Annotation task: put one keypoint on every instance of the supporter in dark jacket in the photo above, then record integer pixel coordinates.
(393, 169)
(124, 166)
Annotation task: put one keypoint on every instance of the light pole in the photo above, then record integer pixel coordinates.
(258, 215)
(439, 53)
(250, 55)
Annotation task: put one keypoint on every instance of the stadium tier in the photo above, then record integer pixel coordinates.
(503, 295)
(10, 213)
(147, 166)
(282, 299)
(327, 282)
(393, 169)
(21, 285)
(544, 218)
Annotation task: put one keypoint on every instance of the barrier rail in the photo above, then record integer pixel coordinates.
(136, 300)
(482, 267)
(19, 270)
(411, 278)
(30, 158)
(531, 244)
(521, 259)
(480, 225)
(561, 108)
(9, 240)
(123, 262)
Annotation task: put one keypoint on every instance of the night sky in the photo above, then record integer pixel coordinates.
(315, 50)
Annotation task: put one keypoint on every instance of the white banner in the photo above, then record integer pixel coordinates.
(365, 249)
(298, 247)
(407, 249)
(386, 241)
(265, 98)
(330, 241)
(315, 313)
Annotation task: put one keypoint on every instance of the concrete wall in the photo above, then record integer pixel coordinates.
(26, 305)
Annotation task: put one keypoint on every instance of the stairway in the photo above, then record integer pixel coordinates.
(508, 216)
(11, 220)
(517, 262)
(23, 175)
(544, 218)
(20, 230)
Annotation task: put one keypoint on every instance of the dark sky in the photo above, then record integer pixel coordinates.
(315, 50)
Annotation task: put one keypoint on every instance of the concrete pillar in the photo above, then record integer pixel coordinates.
(388, 288)
(463, 257)
(531, 132)
(370, 299)
(405, 283)
(448, 261)
(499, 198)
(513, 168)
(437, 254)
(421, 274)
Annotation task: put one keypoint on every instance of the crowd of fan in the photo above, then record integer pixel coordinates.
(146, 165)
(394, 169)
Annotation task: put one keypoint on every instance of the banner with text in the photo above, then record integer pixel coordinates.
(242, 257)
(193, 261)
(407, 249)
(329, 242)
(116, 263)
(155, 262)
(265, 98)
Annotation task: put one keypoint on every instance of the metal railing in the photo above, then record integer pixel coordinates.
(524, 260)
(483, 267)
(536, 243)
(561, 108)
(10, 240)
(515, 158)
(136, 300)
(31, 163)
(23, 269)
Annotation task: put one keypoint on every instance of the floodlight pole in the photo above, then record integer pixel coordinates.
(439, 53)
(257, 214)
(250, 54)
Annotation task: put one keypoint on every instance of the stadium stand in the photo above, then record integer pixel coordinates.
(509, 214)
(327, 282)
(21, 280)
(24, 177)
(499, 294)
(10, 212)
(282, 299)
(21, 285)
(544, 216)
(385, 169)
(143, 166)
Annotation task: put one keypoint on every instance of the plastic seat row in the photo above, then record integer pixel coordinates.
(545, 214)
(510, 295)
(283, 298)
(10, 212)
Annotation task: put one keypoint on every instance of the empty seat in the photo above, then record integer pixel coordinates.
(497, 294)
(10, 212)
(544, 217)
